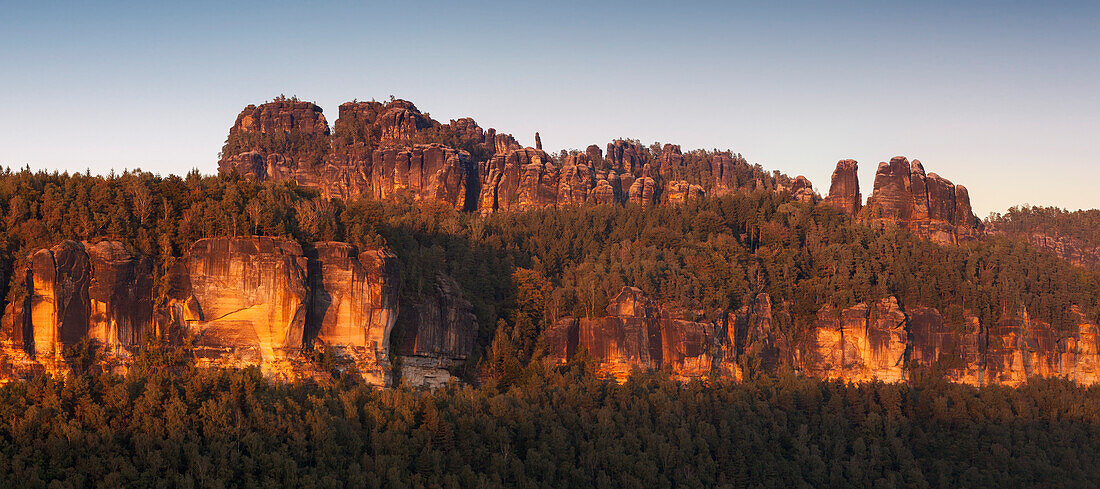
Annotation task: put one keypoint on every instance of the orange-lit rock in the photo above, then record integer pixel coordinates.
(635, 335)
(77, 292)
(244, 301)
(353, 306)
(428, 172)
(844, 188)
(928, 205)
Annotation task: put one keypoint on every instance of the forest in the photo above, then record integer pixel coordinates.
(524, 270)
(168, 425)
(1083, 225)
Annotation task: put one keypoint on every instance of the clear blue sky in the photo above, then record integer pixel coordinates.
(1000, 96)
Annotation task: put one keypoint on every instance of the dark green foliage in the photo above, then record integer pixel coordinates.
(166, 425)
(707, 254)
(1083, 225)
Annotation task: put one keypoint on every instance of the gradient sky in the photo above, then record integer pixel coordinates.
(999, 96)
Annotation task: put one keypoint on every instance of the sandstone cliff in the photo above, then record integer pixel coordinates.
(865, 342)
(437, 331)
(353, 305)
(75, 292)
(844, 188)
(636, 335)
(243, 300)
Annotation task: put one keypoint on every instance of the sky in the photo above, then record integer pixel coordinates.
(999, 96)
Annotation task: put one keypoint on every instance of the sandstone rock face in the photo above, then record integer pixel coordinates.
(436, 333)
(803, 190)
(643, 192)
(954, 351)
(680, 191)
(636, 335)
(285, 116)
(671, 162)
(353, 305)
(754, 342)
(519, 180)
(75, 292)
(844, 188)
(929, 205)
(245, 301)
(376, 150)
(429, 172)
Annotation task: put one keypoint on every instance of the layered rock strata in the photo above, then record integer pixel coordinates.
(353, 306)
(243, 301)
(436, 333)
(379, 150)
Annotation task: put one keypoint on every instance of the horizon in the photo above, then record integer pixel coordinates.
(793, 90)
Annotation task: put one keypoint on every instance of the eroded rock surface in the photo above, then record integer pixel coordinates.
(353, 305)
(244, 301)
(844, 188)
(635, 334)
(929, 205)
(436, 332)
(77, 292)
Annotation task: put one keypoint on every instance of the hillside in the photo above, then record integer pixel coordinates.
(401, 275)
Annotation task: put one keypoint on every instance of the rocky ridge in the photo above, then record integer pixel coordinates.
(928, 205)
(380, 149)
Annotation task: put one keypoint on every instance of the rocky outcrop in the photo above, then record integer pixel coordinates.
(803, 190)
(929, 205)
(860, 343)
(844, 188)
(375, 151)
(243, 301)
(868, 341)
(678, 192)
(353, 305)
(380, 150)
(430, 172)
(77, 292)
(436, 332)
(636, 335)
(519, 180)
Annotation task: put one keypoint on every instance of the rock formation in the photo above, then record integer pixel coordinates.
(243, 300)
(865, 342)
(844, 188)
(353, 305)
(379, 150)
(636, 335)
(436, 332)
(261, 301)
(75, 292)
(376, 150)
(518, 180)
(429, 172)
(929, 205)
